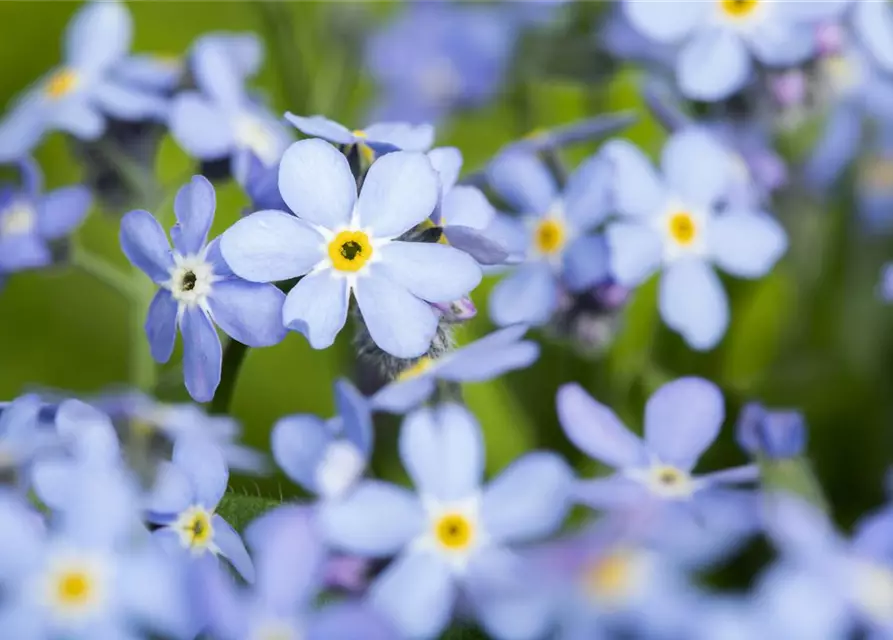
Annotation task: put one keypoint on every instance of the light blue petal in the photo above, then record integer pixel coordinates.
(476, 244)
(612, 492)
(529, 295)
(402, 395)
(442, 450)
(400, 191)
(145, 245)
(596, 430)
(216, 75)
(696, 167)
(693, 303)
(745, 244)
(407, 137)
(873, 535)
(98, 35)
(194, 207)
(376, 519)
(269, 246)
(129, 104)
(587, 194)
(298, 444)
(638, 190)
(778, 43)
(317, 307)
(161, 325)
(523, 181)
(316, 183)
(682, 419)
(202, 354)
(397, 321)
(23, 126)
(466, 206)
(586, 262)
(79, 118)
(203, 462)
(171, 493)
(430, 271)
(249, 312)
(873, 26)
(797, 528)
(349, 621)
(713, 65)
(23, 251)
(635, 252)
(525, 614)
(232, 548)
(528, 500)
(447, 162)
(836, 148)
(322, 127)
(51, 481)
(665, 21)
(200, 127)
(486, 363)
(61, 210)
(416, 592)
(742, 474)
(87, 431)
(356, 416)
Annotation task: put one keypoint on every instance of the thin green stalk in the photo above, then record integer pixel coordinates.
(233, 356)
(104, 271)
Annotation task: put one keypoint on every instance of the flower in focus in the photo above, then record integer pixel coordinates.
(773, 434)
(491, 356)
(326, 457)
(454, 533)
(375, 139)
(77, 96)
(183, 502)
(345, 245)
(198, 290)
(673, 222)
(551, 240)
(31, 220)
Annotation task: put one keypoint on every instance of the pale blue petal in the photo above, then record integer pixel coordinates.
(376, 519)
(682, 419)
(322, 127)
(98, 35)
(447, 161)
(407, 137)
(520, 614)
(269, 246)
(298, 444)
(317, 307)
(529, 500)
(23, 252)
(23, 126)
(778, 43)
(476, 244)
(529, 295)
(60, 211)
(200, 127)
(638, 190)
(161, 325)
(742, 474)
(400, 191)
(216, 75)
(523, 181)
(696, 167)
(397, 321)
(587, 194)
(194, 207)
(479, 365)
(430, 271)
(348, 621)
(746, 244)
(837, 146)
(202, 354)
(129, 104)
(232, 548)
(145, 245)
(635, 252)
(171, 493)
(203, 462)
(873, 535)
(797, 528)
(713, 65)
(79, 118)
(873, 25)
(416, 592)
(612, 492)
(249, 312)
(586, 262)
(402, 395)
(356, 415)
(466, 206)
(693, 303)
(316, 183)
(665, 21)
(50, 480)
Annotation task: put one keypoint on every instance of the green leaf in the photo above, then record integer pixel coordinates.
(239, 509)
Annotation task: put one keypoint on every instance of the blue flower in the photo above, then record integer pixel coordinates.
(21, 436)
(672, 223)
(551, 240)
(380, 138)
(30, 220)
(290, 565)
(481, 360)
(344, 245)
(198, 290)
(183, 500)
(78, 95)
(718, 38)
(773, 434)
(454, 533)
(326, 457)
(874, 180)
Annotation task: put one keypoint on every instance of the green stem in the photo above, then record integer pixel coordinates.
(102, 270)
(233, 357)
(143, 373)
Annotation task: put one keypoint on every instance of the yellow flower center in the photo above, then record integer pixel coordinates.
(610, 577)
(683, 228)
(454, 531)
(74, 588)
(549, 236)
(350, 250)
(421, 366)
(61, 83)
(197, 528)
(738, 8)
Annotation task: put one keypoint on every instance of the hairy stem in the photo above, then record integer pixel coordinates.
(233, 356)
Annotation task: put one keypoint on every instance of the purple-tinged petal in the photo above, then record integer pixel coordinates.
(145, 245)
(316, 183)
(713, 65)
(321, 127)
(400, 190)
(349, 621)
(682, 419)
(216, 74)
(873, 536)
(586, 262)
(232, 548)
(194, 206)
(696, 167)
(356, 416)
(837, 147)
(430, 271)
(587, 195)
(466, 206)
(200, 127)
(596, 430)
(98, 35)
(746, 245)
(19, 252)
(694, 303)
(638, 191)
(407, 137)
(667, 22)
(217, 600)
(447, 161)
(798, 528)
(203, 462)
(473, 242)
(249, 312)
(523, 181)
(397, 321)
(317, 307)
(161, 325)
(735, 475)
(402, 395)
(171, 493)
(202, 354)
(23, 127)
(62, 210)
(612, 492)
(298, 444)
(529, 295)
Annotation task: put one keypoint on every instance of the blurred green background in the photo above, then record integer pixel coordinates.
(811, 335)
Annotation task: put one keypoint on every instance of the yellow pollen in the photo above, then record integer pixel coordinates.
(350, 250)
(421, 366)
(454, 531)
(682, 227)
(359, 133)
(738, 8)
(609, 576)
(198, 528)
(61, 83)
(549, 236)
(74, 588)
(668, 476)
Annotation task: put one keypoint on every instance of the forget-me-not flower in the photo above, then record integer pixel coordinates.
(198, 289)
(21, 436)
(375, 139)
(345, 246)
(671, 222)
(77, 96)
(453, 533)
(551, 240)
(774, 434)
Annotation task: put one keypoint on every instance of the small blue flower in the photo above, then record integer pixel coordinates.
(183, 500)
(773, 434)
(290, 566)
(326, 457)
(345, 246)
(481, 360)
(22, 437)
(77, 96)
(198, 290)
(455, 533)
(672, 222)
(551, 241)
(30, 220)
(380, 138)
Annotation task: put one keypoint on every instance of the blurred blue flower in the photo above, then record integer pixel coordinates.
(343, 245)
(21, 438)
(885, 287)
(718, 39)
(671, 222)
(379, 138)
(481, 360)
(30, 220)
(290, 567)
(454, 533)
(326, 457)
(77, 96)
(550, 242)
(198, 290)
(624, 41)
(183, 500)
(771, 433)
(874, 180)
